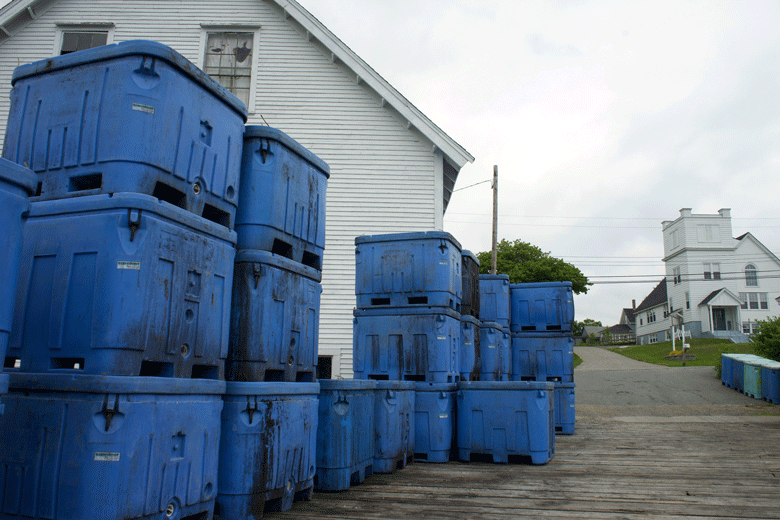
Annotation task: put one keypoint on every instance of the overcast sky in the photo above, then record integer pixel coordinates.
(604, 118)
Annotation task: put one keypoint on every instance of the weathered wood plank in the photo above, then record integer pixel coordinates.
(629, 469)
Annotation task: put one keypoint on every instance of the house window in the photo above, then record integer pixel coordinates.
(82, 39)
(653, 339)
(751, 276)
(229, 59)
(640, 321)
(708, 233)
(754, 300)
(687, 300)
(650, 316)
(749, 327)
(712, 271)
(675, 239)
(676, 275)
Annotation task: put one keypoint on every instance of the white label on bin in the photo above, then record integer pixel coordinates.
(106, 456)
(441, 338)
(491, 346)
(143, 108)
(136, 266)
(443, 262)
(443, 416)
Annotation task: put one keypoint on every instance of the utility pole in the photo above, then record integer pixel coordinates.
(493, 265)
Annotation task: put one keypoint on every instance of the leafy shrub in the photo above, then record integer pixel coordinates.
(766, 341)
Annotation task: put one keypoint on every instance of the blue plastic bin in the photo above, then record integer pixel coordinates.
(470, 348)
(274, 323)
(738, 371)
(492, 351)
(122, 285)
(267, 450)
(494, 299)
(345, 433)
(408, 269)
(434, 421)
(282, 197)
(543, 357)
(130, 117)
(727, 370)
(393, 425)
(540, 307)
(506, 420)
(770, 381)
(412, 344)
(564, 404)
(16, 184)
(505, 366)
(752, 378)
(79, 446)
(469, 305)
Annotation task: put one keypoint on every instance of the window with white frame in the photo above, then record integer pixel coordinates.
(229, 59)
(751, 275)
(749, 327)
(712, 271)
(76, 38)
(687, 300)
(754, 300)
(675, 238)
(651, 316)
(653, 339)
(676, 276)
(708, 233)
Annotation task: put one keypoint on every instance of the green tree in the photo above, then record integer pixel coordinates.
(606, 336)
(579, 326)
(766, 341)
(526, 263)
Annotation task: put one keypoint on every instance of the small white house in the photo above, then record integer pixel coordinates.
(392, 169)
(719, 285)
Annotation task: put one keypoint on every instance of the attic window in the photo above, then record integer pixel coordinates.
(73, 41)
(229, 59)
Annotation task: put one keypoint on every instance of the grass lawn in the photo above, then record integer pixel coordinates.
(707, 352)
(577, 360)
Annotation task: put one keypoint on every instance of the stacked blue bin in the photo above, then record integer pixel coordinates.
(122, 304)
(17, 183)
(407, 331)
(542, 317)
(470, 356)
(500, 420)
(752, 375)
(268, 448)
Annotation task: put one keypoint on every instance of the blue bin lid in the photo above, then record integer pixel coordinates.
(506, 385)
(131, 48)
(258, 131)
(398, 386)
(494, 277)
(422, 386)
(470, 319)
(270, 389)
(334, 385)
(107, 201)
(538, 285)
(468, 254)
(3, 383)
(18, 175)
(278, 261)
(96, 384)
(407, 311)
(406, 237)
(491, 325)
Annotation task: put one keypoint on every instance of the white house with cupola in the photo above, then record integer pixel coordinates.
(716, 285)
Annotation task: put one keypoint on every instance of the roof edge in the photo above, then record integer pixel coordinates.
(456, 154)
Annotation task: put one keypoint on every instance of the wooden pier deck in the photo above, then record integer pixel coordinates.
(669, 465)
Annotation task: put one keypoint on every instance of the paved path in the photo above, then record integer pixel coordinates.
(610, 385)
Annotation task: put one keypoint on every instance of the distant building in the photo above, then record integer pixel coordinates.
(716, 285)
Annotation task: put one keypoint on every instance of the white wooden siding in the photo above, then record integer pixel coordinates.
(382, 174)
